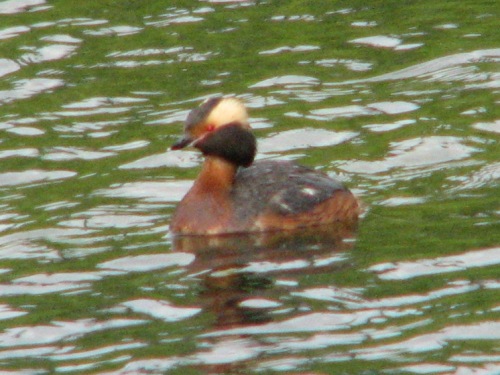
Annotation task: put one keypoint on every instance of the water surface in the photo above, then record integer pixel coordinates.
(397, 100)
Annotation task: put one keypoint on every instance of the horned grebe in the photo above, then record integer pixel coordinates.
(232, 194)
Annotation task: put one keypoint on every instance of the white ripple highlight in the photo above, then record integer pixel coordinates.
(460, 262)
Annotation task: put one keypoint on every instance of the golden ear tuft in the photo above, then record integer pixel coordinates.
(229, 110)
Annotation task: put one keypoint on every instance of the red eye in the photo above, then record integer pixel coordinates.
(210, 127)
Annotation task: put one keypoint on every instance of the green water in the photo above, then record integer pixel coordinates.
(92, 94)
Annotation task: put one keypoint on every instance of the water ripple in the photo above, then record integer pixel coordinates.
(34, 244)
(453, 263)
(414, 153)
(487, 330)
(288, 80)
(33, 176)
(69, 153)
(434, 66)
(162, 310)
(303, 138)
(18, 6)
(8, 66)
(148, 191)
(145, 263)
(487, 175)
(312, 322)
(378, 41)
(22, 152)
(114, 31)
(57, 331)
(493, 126)
(179, 159)
(47, 53)
(7, 312)
(26, 88)
(304, 48)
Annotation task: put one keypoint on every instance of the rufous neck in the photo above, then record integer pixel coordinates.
(217, 174)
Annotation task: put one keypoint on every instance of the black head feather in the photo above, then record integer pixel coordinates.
(231, 142)
(198, 114)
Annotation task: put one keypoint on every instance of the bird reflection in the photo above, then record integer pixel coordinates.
(236, 268)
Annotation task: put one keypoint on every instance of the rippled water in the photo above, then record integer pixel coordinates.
(398, 100)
